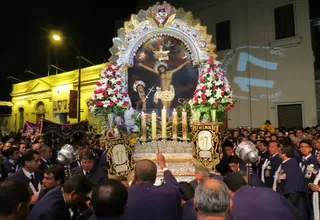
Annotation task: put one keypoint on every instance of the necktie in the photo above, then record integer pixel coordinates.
(87, 173)
(34, 182)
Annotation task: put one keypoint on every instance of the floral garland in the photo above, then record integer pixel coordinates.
(109, 95)
(213, 90)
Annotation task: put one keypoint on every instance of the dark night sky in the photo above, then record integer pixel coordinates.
(88, 24)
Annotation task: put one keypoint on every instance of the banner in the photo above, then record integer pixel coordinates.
(32, 130)
(66, 130)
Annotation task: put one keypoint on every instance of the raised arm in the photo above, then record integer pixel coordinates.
(168, 177)
(179, 67)
(147, 68)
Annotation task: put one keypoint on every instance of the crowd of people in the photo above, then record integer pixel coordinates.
(284, 183)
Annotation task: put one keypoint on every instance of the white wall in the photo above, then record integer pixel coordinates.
(252, 24)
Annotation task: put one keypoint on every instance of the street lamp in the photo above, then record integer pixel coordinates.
(14, 78)
(32, 73)
(58, 38)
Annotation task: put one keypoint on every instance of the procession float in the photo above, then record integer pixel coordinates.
(162, 91)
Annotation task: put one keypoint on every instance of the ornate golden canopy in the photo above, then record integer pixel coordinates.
(162, 20)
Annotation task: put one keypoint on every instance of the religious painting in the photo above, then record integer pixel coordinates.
(162, 75)
(60, 106)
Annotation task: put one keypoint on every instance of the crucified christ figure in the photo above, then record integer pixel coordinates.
(161, 69)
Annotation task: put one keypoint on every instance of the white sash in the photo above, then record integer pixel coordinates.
(315, 200)
(303, 167)
(276, 177)
(33, 189)
(264, 166)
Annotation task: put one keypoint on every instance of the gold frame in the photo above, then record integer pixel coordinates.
(213, 128)
(110, 144)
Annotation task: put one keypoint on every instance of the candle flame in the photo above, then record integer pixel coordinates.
(183, 109)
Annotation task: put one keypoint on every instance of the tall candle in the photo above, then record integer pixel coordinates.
(144, 126)
(164, 123)
(174, 124)
(153, 125)
(184, 125)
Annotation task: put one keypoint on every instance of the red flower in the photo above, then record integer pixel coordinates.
(216, 104)
(228, 108)
(125, 104)
(204, 88)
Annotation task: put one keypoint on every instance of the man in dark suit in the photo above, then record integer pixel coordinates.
(53, 176)
(271, 164)
(234, 166)
(11, 163)
(82, 148)
(94, 172)
(30, 161)
(3, 171)
(14, 199)
(56, 204)
(45, 156)
(147, 201)
(109, 200)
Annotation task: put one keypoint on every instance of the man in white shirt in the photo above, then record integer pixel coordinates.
(30, 161)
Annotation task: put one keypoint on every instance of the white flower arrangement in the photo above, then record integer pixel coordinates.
(109, 95)
(213, 90)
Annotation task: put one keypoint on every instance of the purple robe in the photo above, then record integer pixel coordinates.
(273, 164)
(290, 183)
(188, 211)
(147, 201)
(260, 203)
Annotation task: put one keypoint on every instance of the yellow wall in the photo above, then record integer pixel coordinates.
(28, 95)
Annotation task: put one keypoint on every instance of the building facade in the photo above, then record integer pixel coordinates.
(265, 48)
(49, 97)
(266, 51)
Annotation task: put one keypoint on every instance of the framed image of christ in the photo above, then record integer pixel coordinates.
(162, 75)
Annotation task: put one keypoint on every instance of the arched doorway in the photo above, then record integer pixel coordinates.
(40, 111)
(21, 118)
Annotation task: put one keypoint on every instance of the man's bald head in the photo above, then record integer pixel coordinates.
(212, 198)
(145, 171)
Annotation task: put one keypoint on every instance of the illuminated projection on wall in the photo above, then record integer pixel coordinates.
(253, 71)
